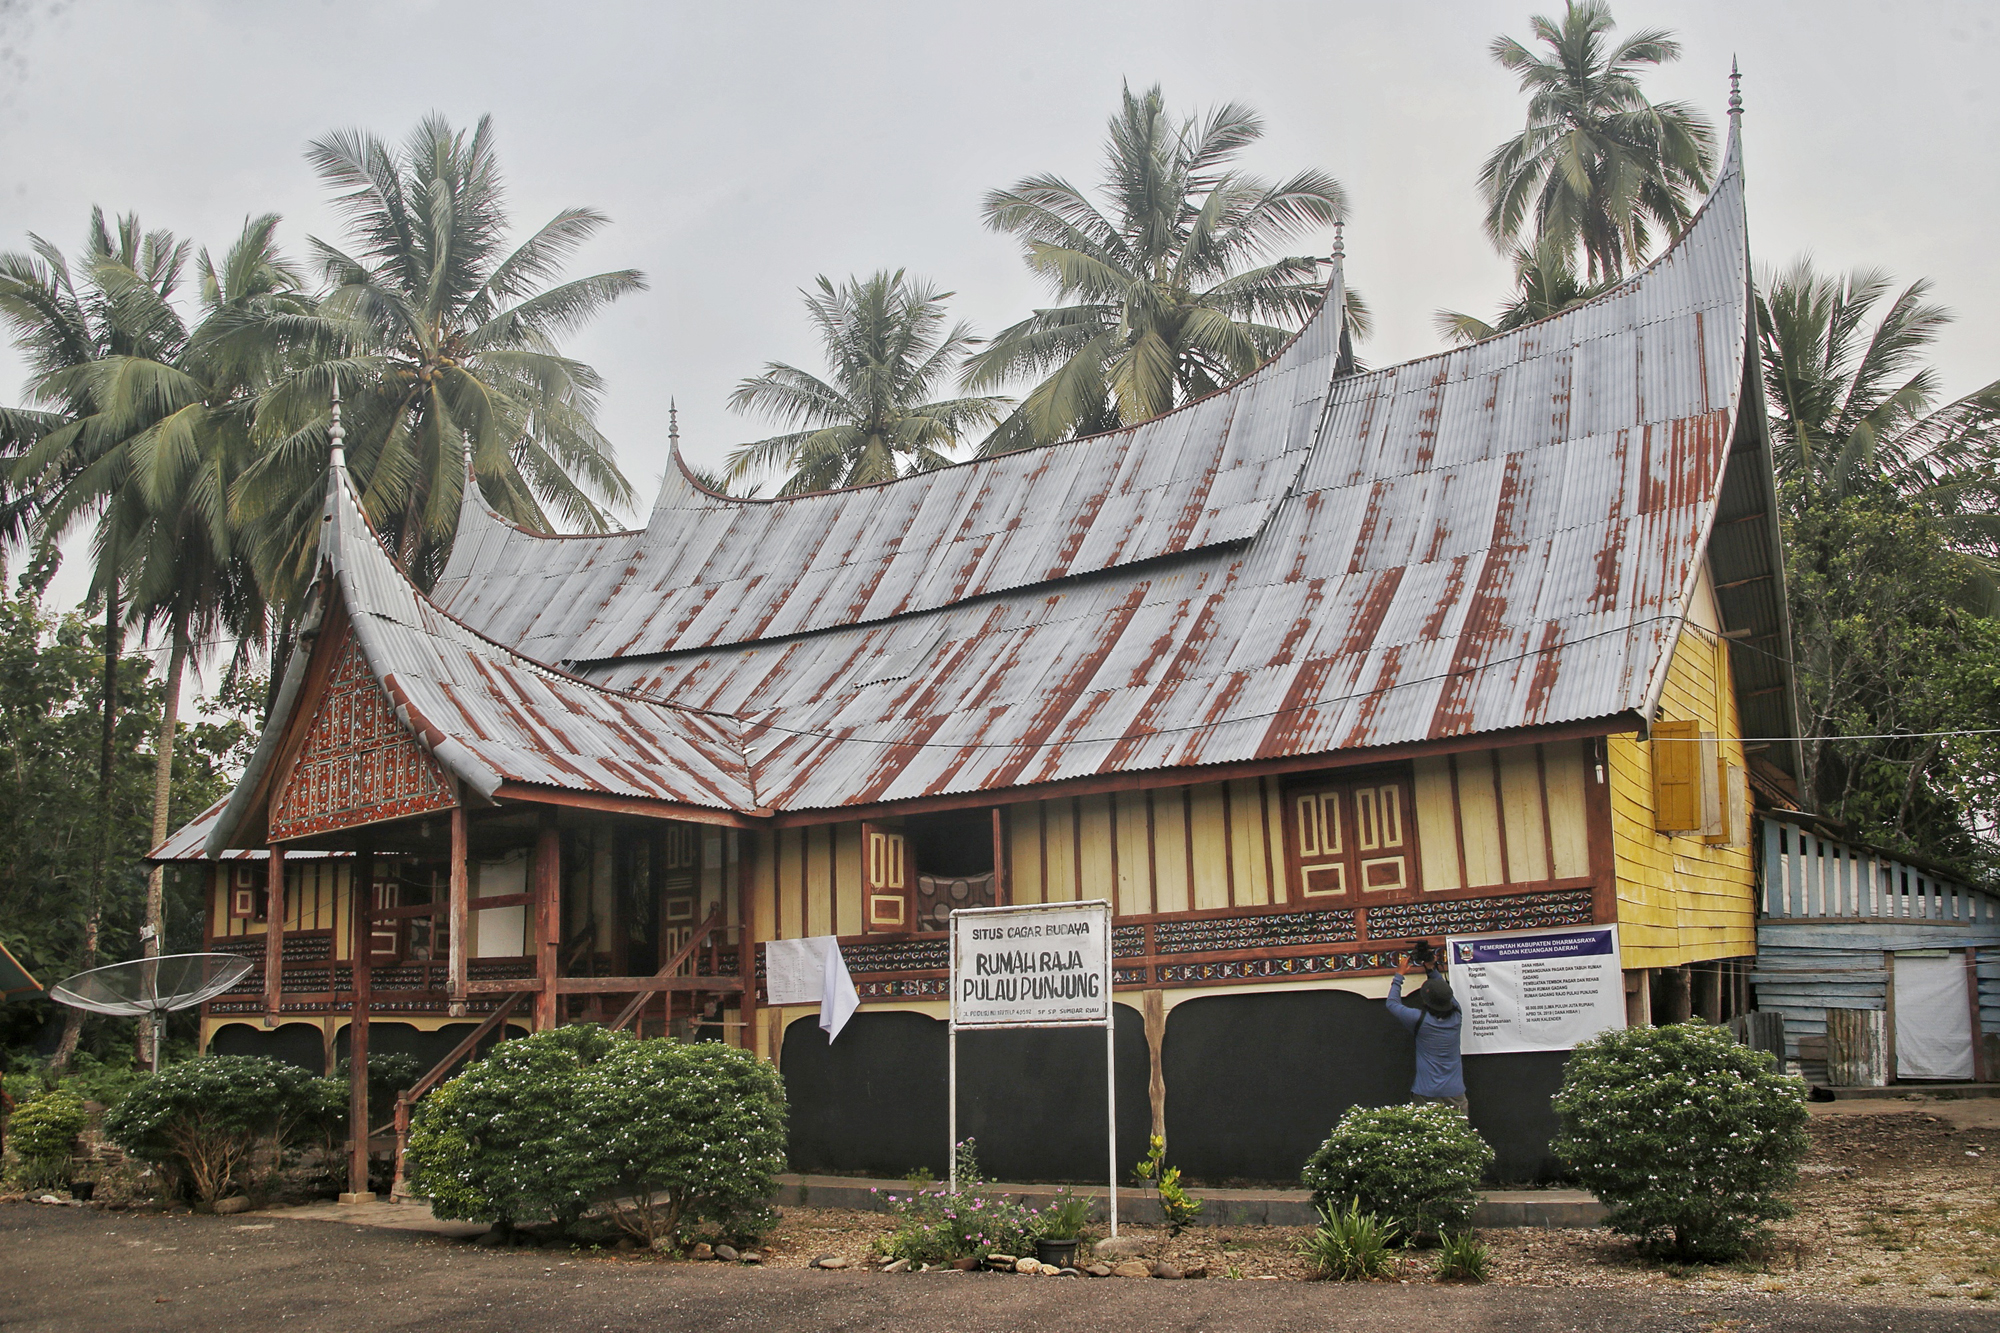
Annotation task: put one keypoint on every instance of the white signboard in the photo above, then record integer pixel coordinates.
(1031, 967)
(1544, 990)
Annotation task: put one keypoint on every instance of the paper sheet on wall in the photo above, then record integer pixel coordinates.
(794, 971)
(812, 971)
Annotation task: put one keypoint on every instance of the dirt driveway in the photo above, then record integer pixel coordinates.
(76, 1269)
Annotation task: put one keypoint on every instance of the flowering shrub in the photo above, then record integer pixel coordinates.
(547, 1125)
(499, 1142)
(1415, 1166)
(692, 1134)
(1687, 1135)
(202, 1121)
(935, 1226)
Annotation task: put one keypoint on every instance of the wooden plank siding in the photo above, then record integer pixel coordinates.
(1681, 899)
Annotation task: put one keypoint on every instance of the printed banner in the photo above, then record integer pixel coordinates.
(1536, 991)
(1014, 967)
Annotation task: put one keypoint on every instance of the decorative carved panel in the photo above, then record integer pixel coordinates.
(358, 765)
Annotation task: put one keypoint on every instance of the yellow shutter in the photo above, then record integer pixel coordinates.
(1677, 786)
(888, 891)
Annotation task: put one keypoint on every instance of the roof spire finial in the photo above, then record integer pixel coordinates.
(335, 432)
(1735, 89)
(1339, 242)
(673, 423)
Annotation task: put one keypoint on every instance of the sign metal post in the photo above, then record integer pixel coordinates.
(1046, 965)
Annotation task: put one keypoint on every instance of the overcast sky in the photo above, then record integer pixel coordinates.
(741, 149)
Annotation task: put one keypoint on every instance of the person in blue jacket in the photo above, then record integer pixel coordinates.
(1433, 1017)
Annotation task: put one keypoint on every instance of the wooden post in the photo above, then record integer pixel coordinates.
(1638, 997)
(1708, 991)
(1003, 882)
(1888, 1018)
(274, 935)
(461, 913)
(1598, 834)
(1153, 1008)
(548, 921)
(1857, 1048)
(361, 896)
(746, 937)
(1980, 1073)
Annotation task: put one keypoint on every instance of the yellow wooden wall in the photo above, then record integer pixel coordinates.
(315, 899)
(1201, 848)
(1680, 899)
(1487, 818)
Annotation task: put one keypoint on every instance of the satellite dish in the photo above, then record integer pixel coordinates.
(151, 986)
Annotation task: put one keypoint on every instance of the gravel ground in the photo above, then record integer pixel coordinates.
(1899, 1202)
(76, 1269)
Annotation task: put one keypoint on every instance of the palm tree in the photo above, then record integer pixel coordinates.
(874, 417)
(1546, 282)
(444, 344)
(66, 325)
(1857, 412)
(1597, 165)
(173, 419)
(1162, 296)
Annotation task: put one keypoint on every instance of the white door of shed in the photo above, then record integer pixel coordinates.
(1933, 1016)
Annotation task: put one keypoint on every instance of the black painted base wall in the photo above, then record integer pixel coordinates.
(1254, 1083)
(301, 1044)
(874, 1102)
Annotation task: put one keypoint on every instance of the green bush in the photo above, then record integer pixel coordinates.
(202, 1122)
(1350, 1246)
(1685, 1134)
(42, 1133)
(500, 1142)
(1463, 1257)
(1416, 1166)
(693, 1135)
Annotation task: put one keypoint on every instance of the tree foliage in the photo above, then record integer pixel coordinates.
(1889, 507)
(445, 341)
(876, 415)
(51, 670)
(1166, 292)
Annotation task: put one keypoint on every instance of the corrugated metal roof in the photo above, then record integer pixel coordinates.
(708, 570)
(492, 715)
(1500, 536)
(187, 842)
(1497, 537)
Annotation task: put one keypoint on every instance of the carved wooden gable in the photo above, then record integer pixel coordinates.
(358, 765)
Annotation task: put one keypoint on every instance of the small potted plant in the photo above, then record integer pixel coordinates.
(1060, 1229)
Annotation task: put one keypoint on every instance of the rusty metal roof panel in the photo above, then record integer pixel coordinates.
(709, 571)
(491, 715)
(1498, 537)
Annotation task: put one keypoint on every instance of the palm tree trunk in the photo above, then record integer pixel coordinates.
(163, 781)
(93, 920)
(413, 525)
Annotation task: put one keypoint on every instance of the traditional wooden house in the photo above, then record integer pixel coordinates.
(1325, 664)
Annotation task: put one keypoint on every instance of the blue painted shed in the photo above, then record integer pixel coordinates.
(1846, 926)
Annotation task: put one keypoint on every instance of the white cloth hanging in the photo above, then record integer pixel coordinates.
(811, 971)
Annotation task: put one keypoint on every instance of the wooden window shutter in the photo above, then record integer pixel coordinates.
(1736, 805)
(246, 892)
(1714, 821)
(886, 878)
(1677, 784)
